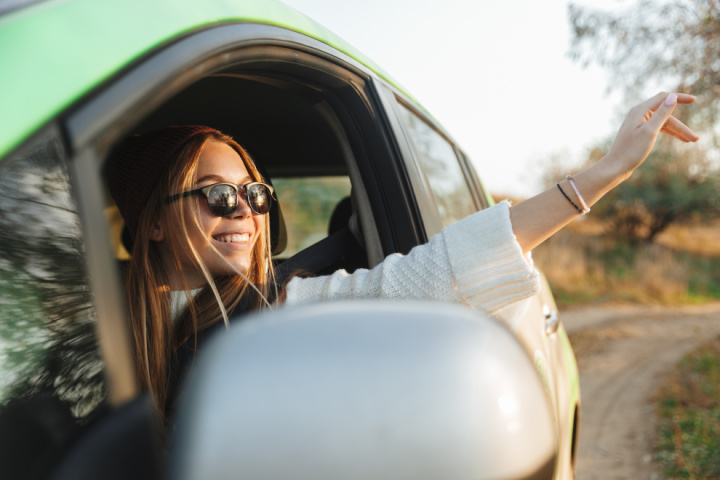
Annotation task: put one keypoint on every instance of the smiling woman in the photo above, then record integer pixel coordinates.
(180, 243)
(224, 246)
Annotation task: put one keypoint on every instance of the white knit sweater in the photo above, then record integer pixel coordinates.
(475, 261)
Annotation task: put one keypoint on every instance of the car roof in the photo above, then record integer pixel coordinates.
(56, 52)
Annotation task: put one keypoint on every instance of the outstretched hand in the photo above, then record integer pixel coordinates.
(640, 129)
(538, 217)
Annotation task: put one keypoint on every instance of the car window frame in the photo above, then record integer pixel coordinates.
(480, 195)
(393, 100)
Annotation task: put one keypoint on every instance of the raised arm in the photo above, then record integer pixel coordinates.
(537, 218)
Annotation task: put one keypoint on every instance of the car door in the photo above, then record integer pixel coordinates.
(447, 190)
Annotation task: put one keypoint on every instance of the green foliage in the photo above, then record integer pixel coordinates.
(652, 45)
(307, 204)
(670, 43)
(689, 427)
(675, 186)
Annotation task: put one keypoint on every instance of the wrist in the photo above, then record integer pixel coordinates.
(595, 181)
(614, 169)
(609, 172)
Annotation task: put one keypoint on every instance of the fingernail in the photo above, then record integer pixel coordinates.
(671, 100)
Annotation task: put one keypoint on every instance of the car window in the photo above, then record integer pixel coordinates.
(440, 167)
(51, 374)
(307, 205)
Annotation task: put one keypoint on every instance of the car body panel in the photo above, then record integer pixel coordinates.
(58, 66)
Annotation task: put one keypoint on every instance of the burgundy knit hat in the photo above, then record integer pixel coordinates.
(136, 165)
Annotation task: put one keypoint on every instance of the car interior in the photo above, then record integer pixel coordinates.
(292, 131)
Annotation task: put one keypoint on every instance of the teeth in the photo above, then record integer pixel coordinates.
(234, 238)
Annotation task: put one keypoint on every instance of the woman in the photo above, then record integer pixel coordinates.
(195, 206)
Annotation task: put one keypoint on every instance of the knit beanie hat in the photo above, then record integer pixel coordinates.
(136, 165)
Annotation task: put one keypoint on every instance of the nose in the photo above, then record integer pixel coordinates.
(243, 209)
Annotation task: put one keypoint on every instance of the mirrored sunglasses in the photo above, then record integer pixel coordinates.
(222, 198)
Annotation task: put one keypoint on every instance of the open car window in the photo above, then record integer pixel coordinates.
(312, 208)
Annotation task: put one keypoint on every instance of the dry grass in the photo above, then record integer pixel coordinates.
(583, 265)
(698, 239)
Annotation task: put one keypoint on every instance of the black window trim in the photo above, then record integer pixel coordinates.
(113, 329)
(424, 208)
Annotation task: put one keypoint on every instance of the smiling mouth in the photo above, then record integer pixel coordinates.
(233, 238)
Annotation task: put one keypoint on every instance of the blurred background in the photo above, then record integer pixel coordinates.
(535, 89)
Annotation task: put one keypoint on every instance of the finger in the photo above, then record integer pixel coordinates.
(685, 98)
(663, 112)
(673, 133)
(670, 133)
(680, 130)
(654, 102)
(668, 129)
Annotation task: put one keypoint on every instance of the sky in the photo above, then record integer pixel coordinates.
(494, 73)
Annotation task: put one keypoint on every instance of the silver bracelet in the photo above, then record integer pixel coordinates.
(586, 209)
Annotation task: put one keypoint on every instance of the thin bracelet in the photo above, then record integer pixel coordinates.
(586, 209)
(568, 199)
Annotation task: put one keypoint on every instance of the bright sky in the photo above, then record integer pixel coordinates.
(495, 74)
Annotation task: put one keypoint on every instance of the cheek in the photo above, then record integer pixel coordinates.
(201, 218)
(208, 224)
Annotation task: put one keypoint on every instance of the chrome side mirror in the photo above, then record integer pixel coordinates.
(365, 390)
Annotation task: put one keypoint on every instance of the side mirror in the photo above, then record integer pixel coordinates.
(365, 390)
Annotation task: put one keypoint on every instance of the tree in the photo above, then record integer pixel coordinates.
(646, 45)
(670, 188)
(653, 43)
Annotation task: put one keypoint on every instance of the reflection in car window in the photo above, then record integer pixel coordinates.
(441, 169)
(307, 204)
(48, 348)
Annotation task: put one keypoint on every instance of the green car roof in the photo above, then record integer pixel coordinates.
(55, 52)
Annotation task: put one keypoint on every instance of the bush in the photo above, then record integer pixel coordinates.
(689, 423)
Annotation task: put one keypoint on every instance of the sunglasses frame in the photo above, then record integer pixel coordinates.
(205, 191)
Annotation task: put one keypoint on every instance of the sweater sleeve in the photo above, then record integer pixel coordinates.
(475, 261)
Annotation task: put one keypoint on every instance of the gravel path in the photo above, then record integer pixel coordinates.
(622, 353)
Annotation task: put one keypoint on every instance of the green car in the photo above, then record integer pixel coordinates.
(329, 129)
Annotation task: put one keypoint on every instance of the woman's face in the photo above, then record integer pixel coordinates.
(233, 236)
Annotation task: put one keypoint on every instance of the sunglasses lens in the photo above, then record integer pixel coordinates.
(222, 200)
(259, 198)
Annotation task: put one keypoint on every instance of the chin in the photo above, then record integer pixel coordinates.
(242, 266)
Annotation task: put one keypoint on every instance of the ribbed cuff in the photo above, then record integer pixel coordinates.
(488, 264)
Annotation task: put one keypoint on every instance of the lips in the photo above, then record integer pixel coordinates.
(241, 238)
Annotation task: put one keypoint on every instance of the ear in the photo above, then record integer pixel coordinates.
(157, 234)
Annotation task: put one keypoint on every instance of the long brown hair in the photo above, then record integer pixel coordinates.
(156, 336)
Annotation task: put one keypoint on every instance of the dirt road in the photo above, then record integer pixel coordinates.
(622, 353)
